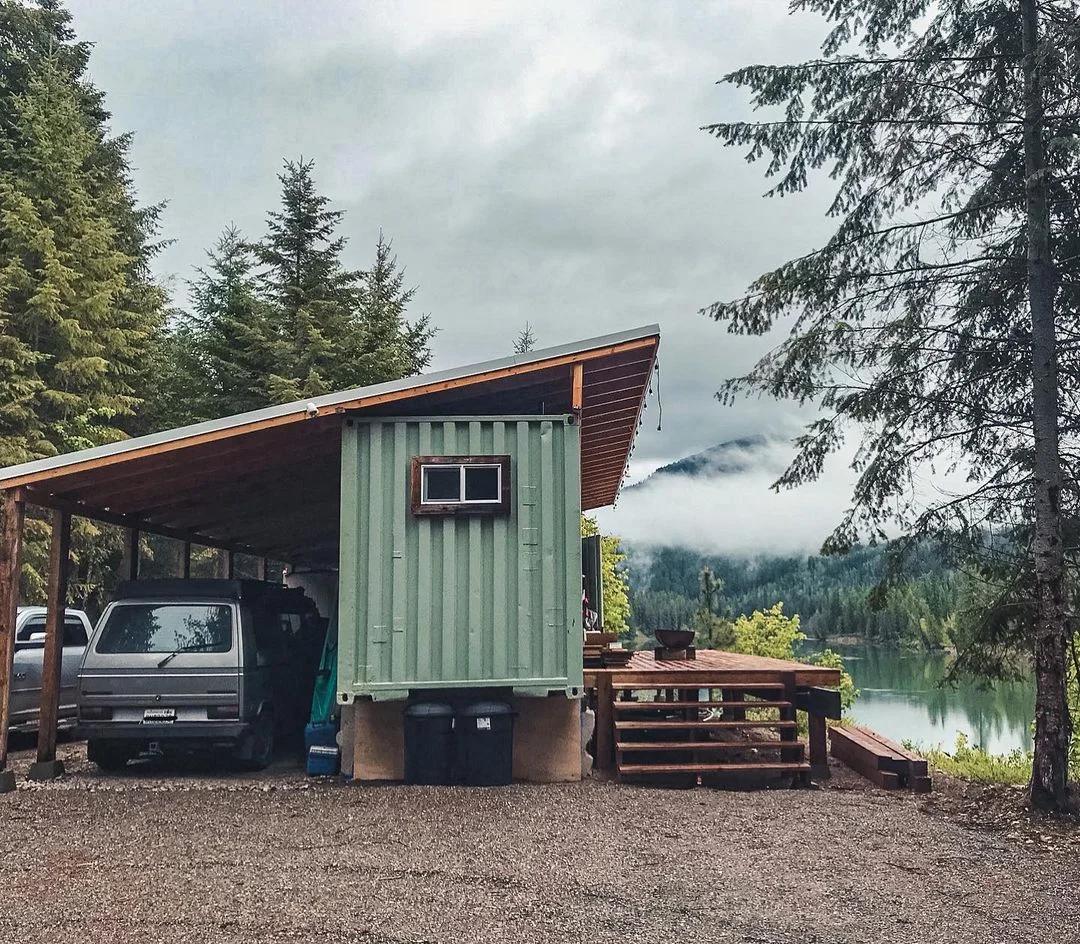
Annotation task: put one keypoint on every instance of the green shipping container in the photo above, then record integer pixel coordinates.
(459, 600)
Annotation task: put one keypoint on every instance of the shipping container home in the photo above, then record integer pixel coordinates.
(460, 555)
(438, 515)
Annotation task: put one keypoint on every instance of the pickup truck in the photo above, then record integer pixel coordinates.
(27, 665)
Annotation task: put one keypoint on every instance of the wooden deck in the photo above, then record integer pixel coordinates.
(713, 667)
(651, 719)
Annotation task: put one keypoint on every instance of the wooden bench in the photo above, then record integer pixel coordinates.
(880, 760)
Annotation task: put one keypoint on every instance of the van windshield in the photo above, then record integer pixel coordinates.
(166, 627)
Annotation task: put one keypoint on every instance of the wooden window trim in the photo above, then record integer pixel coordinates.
(416, 486)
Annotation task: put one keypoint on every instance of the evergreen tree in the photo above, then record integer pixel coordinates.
(332, 328)
(525, 341)
(930, 319)
(79, 312)
(229, 336)
(392, 346)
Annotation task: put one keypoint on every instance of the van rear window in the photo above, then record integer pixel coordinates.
(167, 627)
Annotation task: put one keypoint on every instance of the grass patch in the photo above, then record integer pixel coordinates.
(970, 762)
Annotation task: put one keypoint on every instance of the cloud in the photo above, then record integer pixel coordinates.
(537, 162)
(734, 513)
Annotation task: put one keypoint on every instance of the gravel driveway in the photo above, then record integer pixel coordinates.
(152, 857)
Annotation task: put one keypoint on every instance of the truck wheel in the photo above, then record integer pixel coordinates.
(108, 755)
(262, 741)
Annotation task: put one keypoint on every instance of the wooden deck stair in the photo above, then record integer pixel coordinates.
(665, 732)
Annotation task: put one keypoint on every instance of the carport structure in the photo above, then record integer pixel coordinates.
(268, 483)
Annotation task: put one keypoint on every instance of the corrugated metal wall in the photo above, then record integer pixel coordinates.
(459, 600)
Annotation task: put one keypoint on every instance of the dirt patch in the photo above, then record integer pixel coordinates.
(159, 855)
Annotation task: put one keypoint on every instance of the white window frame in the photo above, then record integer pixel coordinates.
(461, 499)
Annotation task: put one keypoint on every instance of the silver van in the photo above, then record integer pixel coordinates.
(176, 666)
(28, 660)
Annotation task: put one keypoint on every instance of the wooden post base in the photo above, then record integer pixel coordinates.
(45, 770)
(7, 781)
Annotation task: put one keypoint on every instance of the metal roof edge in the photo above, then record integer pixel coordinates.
(326, 401)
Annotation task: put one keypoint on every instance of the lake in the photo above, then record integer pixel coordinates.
(899, 696)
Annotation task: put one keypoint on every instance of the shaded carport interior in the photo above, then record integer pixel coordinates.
(267, 483)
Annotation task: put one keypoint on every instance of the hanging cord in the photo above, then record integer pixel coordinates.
(659, 401)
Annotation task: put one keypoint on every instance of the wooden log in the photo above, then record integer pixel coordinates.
(865, 757)
(52, 661)
(604, 761)
(12, 514)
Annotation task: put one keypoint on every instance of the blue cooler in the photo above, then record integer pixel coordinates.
(321, 750)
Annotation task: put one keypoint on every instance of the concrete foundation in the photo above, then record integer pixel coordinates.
(46, 770)
(7, 781)
(547, 740)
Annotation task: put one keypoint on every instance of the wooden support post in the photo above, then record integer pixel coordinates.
(604, 761)
(578, 387)
(187, 560)
(129, 565)
(230, 565)
(12, 513)
(819, 748)
(47, 766)
(262, 566)
(733, 713)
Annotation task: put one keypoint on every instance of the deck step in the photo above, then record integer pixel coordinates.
(662, 724)
(740, 687)
(657, 705)
(793, 767)
(709, 745)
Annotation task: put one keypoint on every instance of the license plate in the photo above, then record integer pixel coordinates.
(159, 716)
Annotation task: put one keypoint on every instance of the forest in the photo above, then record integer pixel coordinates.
(831, 595)
(94, 348)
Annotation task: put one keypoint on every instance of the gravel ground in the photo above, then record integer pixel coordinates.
(164, 856)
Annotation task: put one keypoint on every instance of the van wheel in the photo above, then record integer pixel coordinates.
(108, 755)
(262, 742)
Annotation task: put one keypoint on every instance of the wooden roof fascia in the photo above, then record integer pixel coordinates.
(300, 415)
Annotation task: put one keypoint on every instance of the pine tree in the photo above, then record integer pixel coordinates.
(230, 343)
(525, 341)
(331, 328)
(62, 282)
(930, 321)
(79, 312)
(392, 346)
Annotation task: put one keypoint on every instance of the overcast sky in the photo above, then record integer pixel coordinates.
(535, 162)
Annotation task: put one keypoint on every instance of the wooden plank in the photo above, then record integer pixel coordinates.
(820, 701)
(185, 561)
(663, 724)
(637, 769)
(654, 705)
(605, 725)
(230, 565)
(629, 746)
(12, 514)
(56, 605)
(577, 380)
(862, 759)
(918, 765)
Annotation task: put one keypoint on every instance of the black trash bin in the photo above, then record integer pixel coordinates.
(485, 744)
(429, 743)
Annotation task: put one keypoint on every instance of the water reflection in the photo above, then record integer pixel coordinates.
(900, 696)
